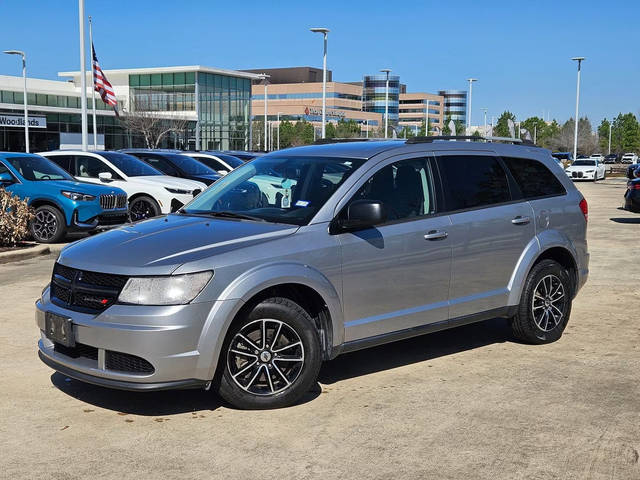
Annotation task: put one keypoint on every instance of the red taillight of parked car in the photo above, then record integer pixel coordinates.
(633, 186)
(585, 209)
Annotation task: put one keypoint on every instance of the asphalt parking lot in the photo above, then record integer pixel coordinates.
(467, 403)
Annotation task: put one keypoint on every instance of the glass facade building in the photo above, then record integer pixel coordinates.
(455, 105)
(374, 95)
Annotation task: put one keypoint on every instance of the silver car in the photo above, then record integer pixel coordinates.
(310, 252)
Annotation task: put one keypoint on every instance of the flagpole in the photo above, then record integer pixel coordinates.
(93, 87)
(83, 75)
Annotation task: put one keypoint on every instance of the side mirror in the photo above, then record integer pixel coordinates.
(105, 176)
(6, 179)
(362, 214)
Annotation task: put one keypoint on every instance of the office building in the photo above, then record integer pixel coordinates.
(455, 105)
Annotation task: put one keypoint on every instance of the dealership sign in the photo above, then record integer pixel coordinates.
(18, 121)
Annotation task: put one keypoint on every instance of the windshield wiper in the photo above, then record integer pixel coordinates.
(224, 214)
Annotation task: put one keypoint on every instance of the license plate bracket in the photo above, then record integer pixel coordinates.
(59, 329)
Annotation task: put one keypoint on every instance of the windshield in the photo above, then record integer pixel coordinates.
(189, 165)
(276, 189)
(130, 165)
(233, 162)
(35, 168)
(588, 163)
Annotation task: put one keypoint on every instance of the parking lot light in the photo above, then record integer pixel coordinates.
(575, 134)
(386, 103)
(24, 77)
(324, 32)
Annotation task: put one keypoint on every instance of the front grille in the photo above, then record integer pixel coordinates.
(83, 290)
(80, 350)
(112, 219)
(111, 201)
(124, 362)
(576, 174)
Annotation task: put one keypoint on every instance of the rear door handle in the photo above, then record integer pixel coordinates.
(436, 235)
(520, 220)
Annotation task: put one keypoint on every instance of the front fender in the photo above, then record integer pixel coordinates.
(243, 288)
(545, 240)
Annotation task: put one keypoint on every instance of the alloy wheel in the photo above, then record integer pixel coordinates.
(45, 225)
(548, 303)
(265, 357)
(141, 209)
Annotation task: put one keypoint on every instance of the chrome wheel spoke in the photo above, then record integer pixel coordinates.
(275, 367)
(253, 345)
(268, 373)
(287, 347)
(245, 369)
(547, 304)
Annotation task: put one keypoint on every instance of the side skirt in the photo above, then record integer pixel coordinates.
(354, 345)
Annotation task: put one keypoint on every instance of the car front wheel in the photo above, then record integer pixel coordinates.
(143, 207)
(271, 356)
(545, 305)
(48, 225)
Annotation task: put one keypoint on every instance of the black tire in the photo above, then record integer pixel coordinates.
(49, 225)
(143, 207)
(264, 381)
(530, 327)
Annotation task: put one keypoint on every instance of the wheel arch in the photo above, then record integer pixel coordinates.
(39, 202)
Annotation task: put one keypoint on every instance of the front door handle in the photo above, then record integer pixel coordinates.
(436, 235)
(520, 220)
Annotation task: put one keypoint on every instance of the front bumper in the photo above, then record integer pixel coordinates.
(175, 201)
(581, 175)
(167, 337)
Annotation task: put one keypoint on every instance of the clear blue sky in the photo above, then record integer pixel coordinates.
(520, 52)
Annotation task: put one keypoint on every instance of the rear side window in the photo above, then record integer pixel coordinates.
(63, 161)
(473, 181)
(534, 178)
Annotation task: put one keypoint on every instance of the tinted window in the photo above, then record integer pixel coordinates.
(91, 167)
(130, 165)
(473, 181)
(211, 162)
(36, 168)
(234, 162)
(534, 179)
(403, 187)
(190, 165)
(158, 163)
(583, 163)
(63, 161)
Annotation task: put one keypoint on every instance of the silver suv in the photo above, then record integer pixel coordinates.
(310, 252)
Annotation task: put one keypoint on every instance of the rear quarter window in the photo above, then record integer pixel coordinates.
(534, 178)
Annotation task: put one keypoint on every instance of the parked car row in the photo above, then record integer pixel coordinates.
(74, 190)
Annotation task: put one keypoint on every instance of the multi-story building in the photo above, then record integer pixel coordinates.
(413, 110)
(455, 105)
(213, 104)
(374, 96)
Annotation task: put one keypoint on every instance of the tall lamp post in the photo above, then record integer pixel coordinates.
(484, 132)
(26, 111)
(386, 103)
(575, 134)
(426, 119)
(265, 77)
(324, 32)
(278, 127)
(610, 124)
(470, 80)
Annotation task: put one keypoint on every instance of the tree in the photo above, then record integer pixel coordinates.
(563, 140)
(603, 134)
(625, 133)
(330, 130)
(501, 128)
(347, 129)
(476, 133)
(143, 120)
(537, 127)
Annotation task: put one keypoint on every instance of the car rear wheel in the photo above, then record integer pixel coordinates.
(143, 207)
(49, 225)
(545, 305)
(271, 356)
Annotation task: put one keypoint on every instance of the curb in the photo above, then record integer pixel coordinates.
(24, 254)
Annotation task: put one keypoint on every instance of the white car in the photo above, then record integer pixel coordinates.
(629, 158)
(586, 169)
(150, 192)
(221, 162)
(597, 156)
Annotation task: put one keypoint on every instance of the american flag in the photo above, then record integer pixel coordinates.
(100, 82)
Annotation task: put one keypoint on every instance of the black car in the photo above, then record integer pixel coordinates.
(611, 158)
(176, 165)
(242, 155)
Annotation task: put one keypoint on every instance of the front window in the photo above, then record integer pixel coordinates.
(584, 163)
(190, 165)
(130, 165)
(36, 168)
(275, 189)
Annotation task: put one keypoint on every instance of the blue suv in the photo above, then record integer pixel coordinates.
(61, 203)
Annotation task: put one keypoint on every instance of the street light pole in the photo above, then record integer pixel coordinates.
(83, 76)
(426, 120)
(386, 103)
(610, 124)
(575, 135)
(278, 127)
(265, 77)
(470, 80)
(484, 132)
(24, 94)
(324, 32)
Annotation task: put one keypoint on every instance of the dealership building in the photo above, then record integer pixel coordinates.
(219, 119)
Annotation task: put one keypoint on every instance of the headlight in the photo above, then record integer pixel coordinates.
(171, 290)
(78, 197)
(178, 191)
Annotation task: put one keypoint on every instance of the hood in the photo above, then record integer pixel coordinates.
(171, 182)
(158, 246)
(80, 187)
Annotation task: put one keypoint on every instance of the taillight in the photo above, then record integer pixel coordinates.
(634, 186)
(585, 209)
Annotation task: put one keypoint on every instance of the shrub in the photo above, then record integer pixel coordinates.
(15, 216)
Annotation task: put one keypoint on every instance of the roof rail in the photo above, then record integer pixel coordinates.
(515, 141)
(324, 141)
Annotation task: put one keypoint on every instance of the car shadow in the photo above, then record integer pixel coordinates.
(635, 220)
(415, 350)
(350, 365)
